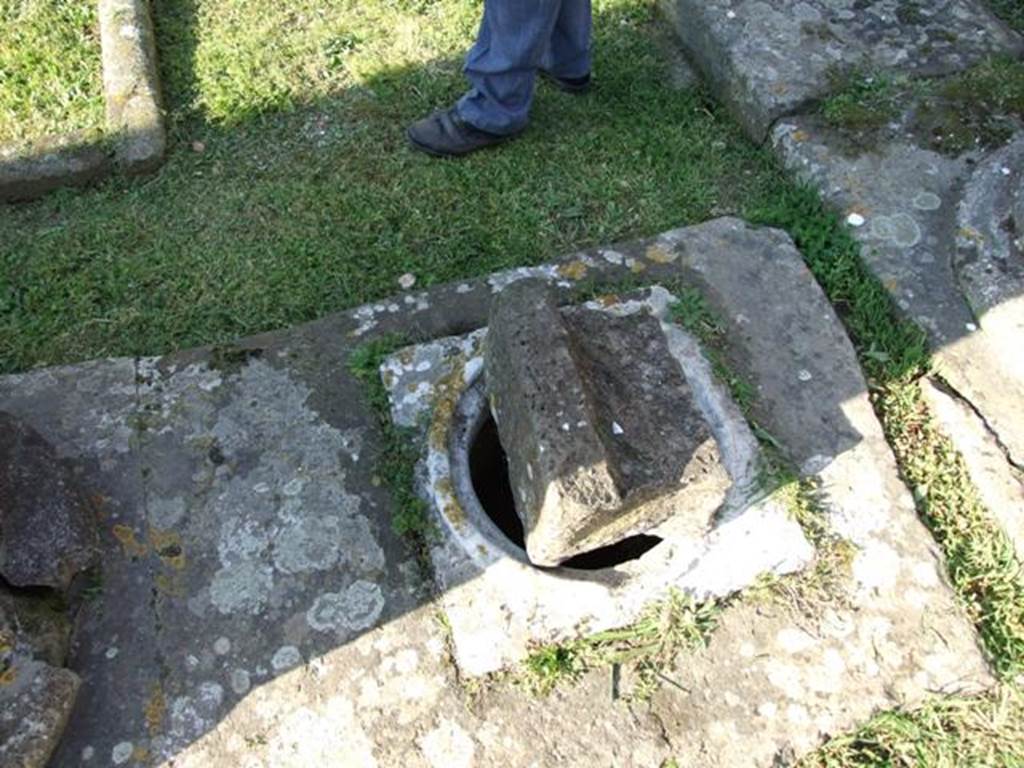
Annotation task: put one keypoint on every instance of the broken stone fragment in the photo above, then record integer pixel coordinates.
(35, 701)
(47, 528)
(602, 434)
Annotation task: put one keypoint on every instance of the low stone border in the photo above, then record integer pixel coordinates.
(135, 120)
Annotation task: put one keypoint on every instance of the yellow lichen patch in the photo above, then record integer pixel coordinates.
(799, 135)
(170, 583)
(155, 709)
(446, 397)
(573, 270)
(659, 254)
(388, 378)
(406, 356)
(132, 547)
(140, 754)
(445, 486)
(455, 514)
(8, 676)
(167, 545)
(637, 267)
(608, 300)
(970, 233)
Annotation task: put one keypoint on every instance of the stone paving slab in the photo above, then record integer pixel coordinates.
(915, 215)
(257, 609)
(766, 60)
(1000, 484)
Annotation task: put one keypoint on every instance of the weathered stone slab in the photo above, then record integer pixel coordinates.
(990, 271)
(169, 676)
(908, 199)
(29, 172)
(767, 60)
(131, 84)
(35, 701)
(1000, 484)
(47, 526)
(598, 423)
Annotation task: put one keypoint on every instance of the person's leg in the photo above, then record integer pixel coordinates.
(514, 37)
(568, 55)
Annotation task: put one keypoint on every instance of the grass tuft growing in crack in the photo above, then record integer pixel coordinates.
(396, 462)
(647, 649)
(945, 733)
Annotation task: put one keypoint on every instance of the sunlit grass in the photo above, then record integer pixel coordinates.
(50, 71)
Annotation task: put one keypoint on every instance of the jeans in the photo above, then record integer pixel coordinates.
(518, 37)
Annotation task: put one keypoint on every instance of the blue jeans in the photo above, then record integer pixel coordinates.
(518, 37)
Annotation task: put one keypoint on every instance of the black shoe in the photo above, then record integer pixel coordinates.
(445, 134)
(569, 84)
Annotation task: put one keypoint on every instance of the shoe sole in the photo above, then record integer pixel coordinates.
(427, 149)
(575, 90)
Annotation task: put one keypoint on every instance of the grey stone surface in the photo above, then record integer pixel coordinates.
(917, 240)
(767, 60)
(1000, 484)
(240, 622)
(598, 424)
(27, 172)
(47, 525)
(990, 271)
(35, 700)
(131, 84)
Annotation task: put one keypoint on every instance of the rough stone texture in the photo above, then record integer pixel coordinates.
(767, 60)
(909, 198)
(1000, 484)
(131, 84)
(990, 268)
(484, 578)
(47, 526)
(234, 631)
(27, 172)
(35, 701)
(600, 429)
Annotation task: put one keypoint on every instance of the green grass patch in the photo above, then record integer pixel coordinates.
(262, 219)
(979, 108)
(861, 100)
(395, 464)
(50, 70)
(648, 649)
(1010, 11)
(956, 732)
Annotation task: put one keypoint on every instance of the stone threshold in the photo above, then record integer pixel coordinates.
(134, 140)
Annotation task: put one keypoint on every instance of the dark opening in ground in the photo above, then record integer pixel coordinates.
(488, 469)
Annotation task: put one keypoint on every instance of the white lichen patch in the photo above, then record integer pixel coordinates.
(355, 609)
(286, 513)
(285, 658)
(448, 746)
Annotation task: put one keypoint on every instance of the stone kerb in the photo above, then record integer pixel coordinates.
(766, 60)
(134, 116)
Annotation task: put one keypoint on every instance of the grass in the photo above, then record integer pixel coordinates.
(648, 648)
(981, 732)
(264, 219)
(1010, 11)
(50, 72)
(396, 462)
(978, 108)
(289, 194)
